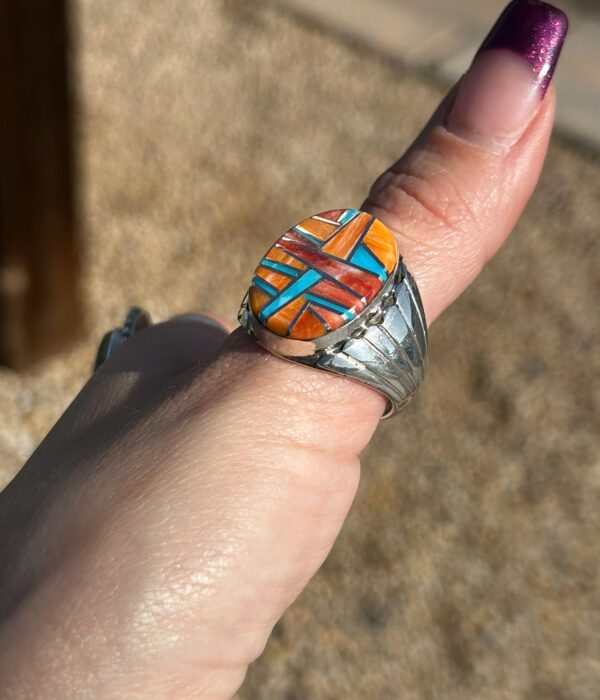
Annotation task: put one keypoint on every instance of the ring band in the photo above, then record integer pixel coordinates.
(333, 293)
(136, 320)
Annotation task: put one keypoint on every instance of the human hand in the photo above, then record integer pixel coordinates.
(190, 491)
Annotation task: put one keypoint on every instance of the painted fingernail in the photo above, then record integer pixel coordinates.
(509, 76)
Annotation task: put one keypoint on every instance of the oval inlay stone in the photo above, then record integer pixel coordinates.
(322, 273)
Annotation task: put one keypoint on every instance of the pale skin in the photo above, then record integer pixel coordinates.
(190, 492)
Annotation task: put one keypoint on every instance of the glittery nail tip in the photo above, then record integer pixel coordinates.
(536, 31)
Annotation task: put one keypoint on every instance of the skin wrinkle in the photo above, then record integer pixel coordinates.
(291, 434)
(394, 186)
(444, 241)
(314, 392)
(438, 188)
(441, 204)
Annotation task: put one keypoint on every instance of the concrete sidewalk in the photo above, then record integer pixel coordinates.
(441, 36)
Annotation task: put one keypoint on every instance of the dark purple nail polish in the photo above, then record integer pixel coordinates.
(536, 31)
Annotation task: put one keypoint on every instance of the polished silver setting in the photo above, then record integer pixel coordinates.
(384, 347)
(135, 321)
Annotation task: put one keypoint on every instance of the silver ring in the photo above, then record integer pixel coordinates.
(136, 320)
(334, 294)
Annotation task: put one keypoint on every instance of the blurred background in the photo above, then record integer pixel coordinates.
(193, 133)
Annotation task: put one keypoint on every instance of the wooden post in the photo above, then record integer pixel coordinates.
(39, 298)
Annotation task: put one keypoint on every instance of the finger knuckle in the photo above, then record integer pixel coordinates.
(426, 193)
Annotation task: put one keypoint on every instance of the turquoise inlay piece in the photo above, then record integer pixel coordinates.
(264, 285)
(348, 215)
(280, 267)
(309, 278)
(363, 258)
(325, 303)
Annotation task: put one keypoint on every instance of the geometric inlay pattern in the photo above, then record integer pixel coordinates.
(321, 273)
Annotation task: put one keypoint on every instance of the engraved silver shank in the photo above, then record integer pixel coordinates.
(384, 347)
